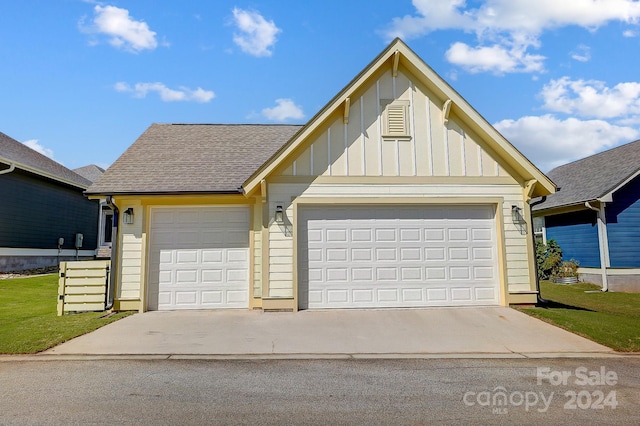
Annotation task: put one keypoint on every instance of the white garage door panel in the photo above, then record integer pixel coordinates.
(199, 258)
(400, 256)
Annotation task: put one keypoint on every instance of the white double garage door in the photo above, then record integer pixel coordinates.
(348, 257)
(397, 256)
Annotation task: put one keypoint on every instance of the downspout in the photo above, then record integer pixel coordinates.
(602, 243)
(11, 168)
(114, 253)
(540, 300)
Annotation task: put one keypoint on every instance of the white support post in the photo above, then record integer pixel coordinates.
(603, 242)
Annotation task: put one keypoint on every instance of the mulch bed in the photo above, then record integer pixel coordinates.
(28, 272)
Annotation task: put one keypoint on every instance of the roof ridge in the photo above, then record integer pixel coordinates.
(231, 124)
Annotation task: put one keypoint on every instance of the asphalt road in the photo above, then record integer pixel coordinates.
(372, 392)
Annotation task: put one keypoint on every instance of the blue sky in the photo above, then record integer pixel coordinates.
(81, 80)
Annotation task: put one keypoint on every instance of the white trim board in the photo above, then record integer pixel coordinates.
(610, 271)
(8, 251)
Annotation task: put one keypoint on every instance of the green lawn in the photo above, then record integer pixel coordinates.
(611, 319)
(28, 318)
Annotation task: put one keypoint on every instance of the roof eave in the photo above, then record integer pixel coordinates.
(44, 174)
(160, 193)
(566, 207)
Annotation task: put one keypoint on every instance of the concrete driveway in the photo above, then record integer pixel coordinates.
(482, 332)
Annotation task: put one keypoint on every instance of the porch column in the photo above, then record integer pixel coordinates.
(603, 242)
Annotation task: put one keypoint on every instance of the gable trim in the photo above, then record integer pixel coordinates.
(608, 196)
(398, 180)
(518, 163)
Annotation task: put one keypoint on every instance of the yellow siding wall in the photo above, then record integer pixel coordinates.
(280, 250)
(131, 262)
(357, 148)
(257, 250)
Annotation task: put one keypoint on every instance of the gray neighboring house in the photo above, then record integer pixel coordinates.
(43, 210)
(105, 222)
(595, 216)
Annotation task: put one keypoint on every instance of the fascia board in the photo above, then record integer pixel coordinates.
(478, 123)
(43, 174)
(253, 181)
(608, 196)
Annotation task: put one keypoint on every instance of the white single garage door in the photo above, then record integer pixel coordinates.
(199, 258)
(397, 256)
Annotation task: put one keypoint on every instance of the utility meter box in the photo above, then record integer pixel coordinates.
(79, 238)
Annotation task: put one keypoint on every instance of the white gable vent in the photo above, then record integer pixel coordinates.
(396, 119)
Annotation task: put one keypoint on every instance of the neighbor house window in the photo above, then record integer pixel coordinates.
(539, 230)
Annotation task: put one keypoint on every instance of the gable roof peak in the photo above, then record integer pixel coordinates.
(395, 54)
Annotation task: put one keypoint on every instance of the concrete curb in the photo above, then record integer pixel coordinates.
(310, 357)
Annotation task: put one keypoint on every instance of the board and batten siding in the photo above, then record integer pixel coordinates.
(360, 148)
(281, 245)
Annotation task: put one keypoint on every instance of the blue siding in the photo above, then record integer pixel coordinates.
(623, 226)
(35, 212)
(577, 235)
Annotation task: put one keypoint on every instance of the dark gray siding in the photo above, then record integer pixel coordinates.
(623, 226)
(35, 212)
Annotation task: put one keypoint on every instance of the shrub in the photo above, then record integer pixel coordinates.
(568, 268)
(548, 259)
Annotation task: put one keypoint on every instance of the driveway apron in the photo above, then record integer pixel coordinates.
(410, 332)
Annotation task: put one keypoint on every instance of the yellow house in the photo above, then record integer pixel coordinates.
(396, 194)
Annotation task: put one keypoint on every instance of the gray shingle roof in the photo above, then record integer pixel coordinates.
(593, 177)
(12, 151)
(90, 172)
(193, 158)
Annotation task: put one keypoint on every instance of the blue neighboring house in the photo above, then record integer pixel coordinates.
(595, 216)
(42, 202)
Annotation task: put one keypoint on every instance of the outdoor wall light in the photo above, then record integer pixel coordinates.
(127, 216)
(516, 215)
(279, 216)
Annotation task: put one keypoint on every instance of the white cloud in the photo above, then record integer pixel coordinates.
(515, 17)
(184, 94)
(35, 145)
(630, 33)
(123, 31)
(550, 142)
(256, 35)
(432, 16)
(590, 98)
(582, 53)
(511, 24)
(285, 110)
(496, 59)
